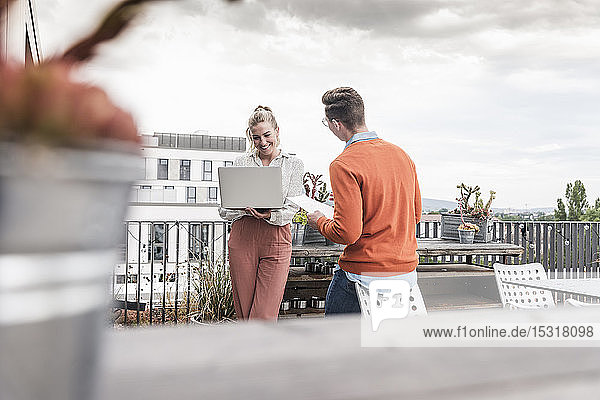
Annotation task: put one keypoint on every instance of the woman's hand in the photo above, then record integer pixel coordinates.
(257, 214)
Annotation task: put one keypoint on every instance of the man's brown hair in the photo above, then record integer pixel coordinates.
(345, 105)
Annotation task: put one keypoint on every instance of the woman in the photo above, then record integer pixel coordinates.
(260, 242)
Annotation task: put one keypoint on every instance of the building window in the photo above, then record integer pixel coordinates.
(184, 170)
(163, 168)
(228, 163)
(157, 241)
(198, 242)
(207, 170)
(120, 279)
(190, 194)
(194, 243)
(169, 187)
(212, 194)
(145, 187)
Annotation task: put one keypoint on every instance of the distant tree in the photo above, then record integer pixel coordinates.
(576, 200)
(560, 214)
(548, 217)
(592, 213)
(510, 217)
(444, 210)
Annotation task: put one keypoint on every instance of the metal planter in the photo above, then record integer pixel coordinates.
(450, 223)
(61, 213)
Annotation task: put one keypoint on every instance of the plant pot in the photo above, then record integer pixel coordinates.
(451, 222)
(466, 236)
(61, 214)
(297, 233)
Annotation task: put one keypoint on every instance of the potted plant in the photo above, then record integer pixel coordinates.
(215, 295)
(68, 157)
(466, 232)
(478, 213)
(315, 188)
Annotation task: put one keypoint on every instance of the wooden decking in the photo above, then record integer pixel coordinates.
(322, 359)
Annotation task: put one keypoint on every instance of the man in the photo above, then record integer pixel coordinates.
(377, 205)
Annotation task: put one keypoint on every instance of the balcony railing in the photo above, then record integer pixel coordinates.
(162, 263)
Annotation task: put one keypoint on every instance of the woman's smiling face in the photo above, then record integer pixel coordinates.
(264, 138)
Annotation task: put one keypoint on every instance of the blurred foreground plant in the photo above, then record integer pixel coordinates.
(42, 104)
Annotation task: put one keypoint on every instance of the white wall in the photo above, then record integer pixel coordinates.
(158, 194)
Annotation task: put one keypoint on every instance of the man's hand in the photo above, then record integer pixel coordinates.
(257, 214)
(313, 217)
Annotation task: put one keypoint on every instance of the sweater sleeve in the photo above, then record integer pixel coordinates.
(346, 225)
(284, 216)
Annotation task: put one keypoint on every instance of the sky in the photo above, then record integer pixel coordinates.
(504, 95)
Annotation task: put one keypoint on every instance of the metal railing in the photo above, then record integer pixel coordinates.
(161, 264)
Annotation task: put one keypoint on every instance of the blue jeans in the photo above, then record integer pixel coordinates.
(341, 295)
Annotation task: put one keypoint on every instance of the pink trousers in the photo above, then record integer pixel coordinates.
(259, 262)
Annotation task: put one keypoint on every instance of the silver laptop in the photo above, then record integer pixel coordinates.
(256, 187)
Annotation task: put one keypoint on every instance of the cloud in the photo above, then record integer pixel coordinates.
(408, 19)
(501, 94)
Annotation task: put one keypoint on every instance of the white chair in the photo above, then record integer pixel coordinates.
(515, 296)
(389, 298)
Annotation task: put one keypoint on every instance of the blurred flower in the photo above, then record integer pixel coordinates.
(42, 104)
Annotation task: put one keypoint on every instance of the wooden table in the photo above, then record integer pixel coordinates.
(582, 287)
(427, 248)
(444, 285)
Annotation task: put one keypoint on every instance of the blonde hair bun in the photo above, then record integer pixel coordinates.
(263, 108)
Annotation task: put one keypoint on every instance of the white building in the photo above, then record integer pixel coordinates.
(173, 226)
(181, 176)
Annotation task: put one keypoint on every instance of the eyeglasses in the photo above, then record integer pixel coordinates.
(325, 121)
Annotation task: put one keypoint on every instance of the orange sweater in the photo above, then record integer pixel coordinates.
(377, 206)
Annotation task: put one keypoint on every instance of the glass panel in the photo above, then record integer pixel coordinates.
(212, 194)
(207, 170)
(163, 169)
(191, 194)
(184, 170)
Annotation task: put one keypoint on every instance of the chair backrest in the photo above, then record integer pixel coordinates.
(389, 298)
(522, 296)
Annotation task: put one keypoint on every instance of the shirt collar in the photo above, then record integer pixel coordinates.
(258, 161)
(361, 136)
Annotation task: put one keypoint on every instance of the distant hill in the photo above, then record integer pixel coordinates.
(436, 205)
(545, 210)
